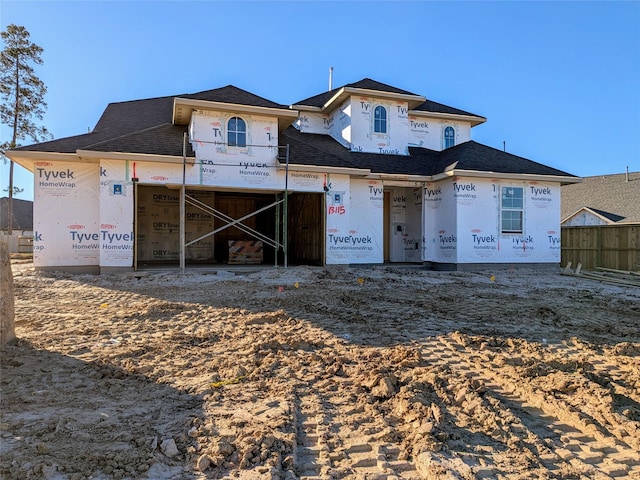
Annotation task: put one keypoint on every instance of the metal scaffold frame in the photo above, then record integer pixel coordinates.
(280, 202)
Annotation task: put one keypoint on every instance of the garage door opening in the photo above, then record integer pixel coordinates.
(247, 227)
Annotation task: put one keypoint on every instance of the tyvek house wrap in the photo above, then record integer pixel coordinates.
(66, 214)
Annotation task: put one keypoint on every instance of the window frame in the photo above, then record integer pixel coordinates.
(382, 122)
(236, 132)
(516, 205)
(446, 139)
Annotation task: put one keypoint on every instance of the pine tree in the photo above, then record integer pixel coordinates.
(21, 95)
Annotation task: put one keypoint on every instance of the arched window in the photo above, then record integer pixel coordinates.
(236, 132)
(449, 137)
(380, 120)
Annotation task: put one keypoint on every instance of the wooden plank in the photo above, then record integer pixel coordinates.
(613, 270)
(604, 278)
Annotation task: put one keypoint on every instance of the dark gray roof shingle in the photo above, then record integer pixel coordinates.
(610, 216)
(22, 214)
(316, 149)
(366, 83)
(475, 156)
(125, 118)
(233, 94)
(142, 127)
(369, 84)
(430, 106)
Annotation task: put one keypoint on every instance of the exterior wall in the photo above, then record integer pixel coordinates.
(406, 225)
(313, 123)
(354, 221)
(337, 124)
(440, 223)
(429, 133)
(216, 164)
(366, 140)
(352, 126)
(478, 237)
(116, 214)
(66, 215)
(584, 218)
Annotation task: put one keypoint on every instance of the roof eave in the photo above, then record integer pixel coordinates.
(473, 119)
(400, 179)
(306, 108)
(26, 158)
(95, 155)
(456, 172)
(183, 108)
(325, 169)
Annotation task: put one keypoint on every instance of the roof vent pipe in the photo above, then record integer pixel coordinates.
(627, 173)
(330, 78)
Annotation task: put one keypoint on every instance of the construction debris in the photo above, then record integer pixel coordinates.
(609, 275)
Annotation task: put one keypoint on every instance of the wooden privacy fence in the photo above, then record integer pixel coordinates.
(606, 246)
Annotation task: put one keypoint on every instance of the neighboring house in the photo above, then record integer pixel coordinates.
(22, 225)
(372, 174)
(602, 200)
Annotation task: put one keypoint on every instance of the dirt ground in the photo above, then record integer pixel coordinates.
(321, 373)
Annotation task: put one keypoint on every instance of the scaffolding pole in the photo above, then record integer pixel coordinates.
(276, 243)
(277, 239)
(285, 213)
(182, 206)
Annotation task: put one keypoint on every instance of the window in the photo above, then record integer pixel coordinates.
(449, 137)
(236, 132)
(512, 204)
(380, 120)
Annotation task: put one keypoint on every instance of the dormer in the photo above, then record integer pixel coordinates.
(366, 116)
(227, 122)
(369, 116)
(436, 126)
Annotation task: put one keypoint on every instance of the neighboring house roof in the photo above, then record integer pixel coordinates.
(609, 216)
(22, 214)
(143, 127)
(606, 216)
(612, 195)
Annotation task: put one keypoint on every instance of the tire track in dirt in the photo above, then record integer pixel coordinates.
(561, 438)
(337, 439)
(331, 378)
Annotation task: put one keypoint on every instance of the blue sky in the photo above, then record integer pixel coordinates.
(559, 82)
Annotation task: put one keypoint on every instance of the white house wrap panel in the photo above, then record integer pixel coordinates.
(429, 133)
(66, 214)
(116, 215)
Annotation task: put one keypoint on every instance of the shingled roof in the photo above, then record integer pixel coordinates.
(369, 84)
(606, 194)
(365, 84)
(138, 126)
(316, 149)
(22, 214)
(143, 127)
